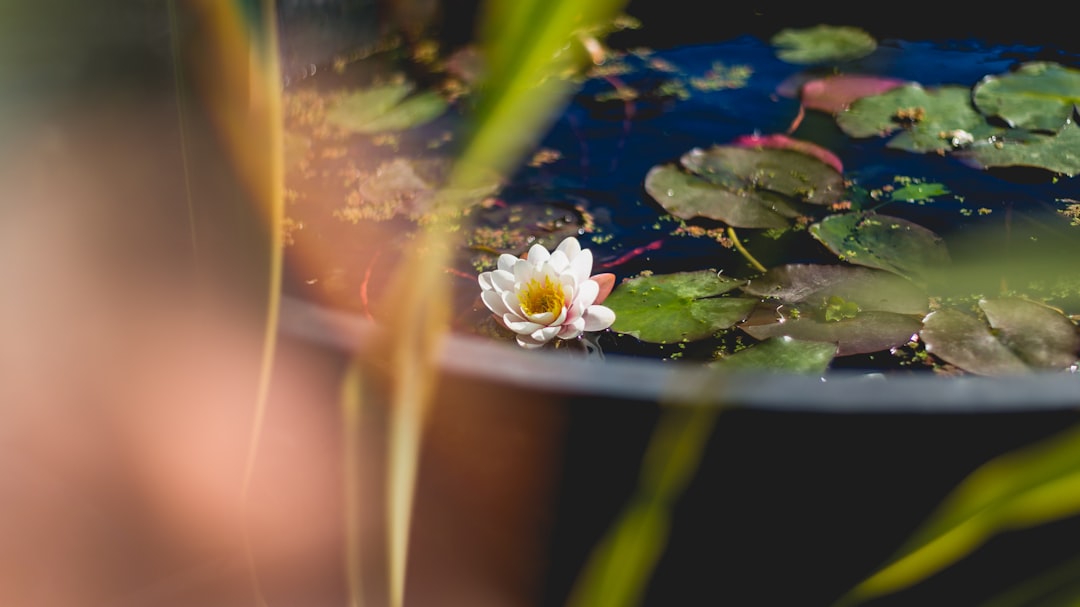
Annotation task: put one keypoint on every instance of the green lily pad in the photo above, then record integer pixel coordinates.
(863, 287)
(385, 108)
(965, 341)
(780, 354)
(918, 192)
(823, 43)
(929, 117)
(864, 333)
(786, 172)
(678, 307)
(1059, 153)
(1040, 335)
(1040, 96)
(883, 242)
(687, 196)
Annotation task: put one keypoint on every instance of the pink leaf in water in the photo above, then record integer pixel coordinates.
(834, 94)
(784, 142)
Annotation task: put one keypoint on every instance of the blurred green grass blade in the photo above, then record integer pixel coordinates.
(351, 402)
(527, 46)
(620, 567)
(1025, 488)
(530, 51)
(1058, 587)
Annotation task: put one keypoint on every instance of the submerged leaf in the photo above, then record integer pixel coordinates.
(780, 354)
(965, 341)
(676, 307)
(887, 243)
(1040, 96)
(864, 333)
(866, 288)
(823, 43)
(1040, 335)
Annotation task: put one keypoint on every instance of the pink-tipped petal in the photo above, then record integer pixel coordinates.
(572, 330)
(606, 283)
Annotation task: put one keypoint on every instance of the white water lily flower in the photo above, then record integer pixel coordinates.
(546, 295)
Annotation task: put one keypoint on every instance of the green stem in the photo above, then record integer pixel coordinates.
(741, 249)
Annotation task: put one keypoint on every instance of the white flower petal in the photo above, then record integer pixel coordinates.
(586, 293)
(502, 280)
(523, 272)
(598, 318)
(572, 330)
(485, 281)
(494, 302)
(545, 334)
(528, 342)
(507, 261)
(581, 265)
(543, 318)
(558, 262)
(523, 327)
(511, 303)
(538, 255)
(570, 247)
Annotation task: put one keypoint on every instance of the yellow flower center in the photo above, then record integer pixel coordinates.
(537, 297)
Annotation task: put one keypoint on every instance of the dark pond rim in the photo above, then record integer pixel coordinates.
(687, 384)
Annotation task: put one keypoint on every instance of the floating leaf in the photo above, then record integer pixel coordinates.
(965, 341)
(866, 332)
(823, 43)
(676, 307)
(883, 242)
(385, 108)
(834, 94)
(687, 196)
(1039, 96)
(1058, 153)
(928, 117)
(916, 192)
(780, 354)
(784, 171)
(866, 288)
(1040, 335)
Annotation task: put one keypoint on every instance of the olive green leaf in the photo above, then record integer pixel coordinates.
(780, 354)
(927, 118)
(822, 44)
(1040, 96)
(680, 307)
(883, 242)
